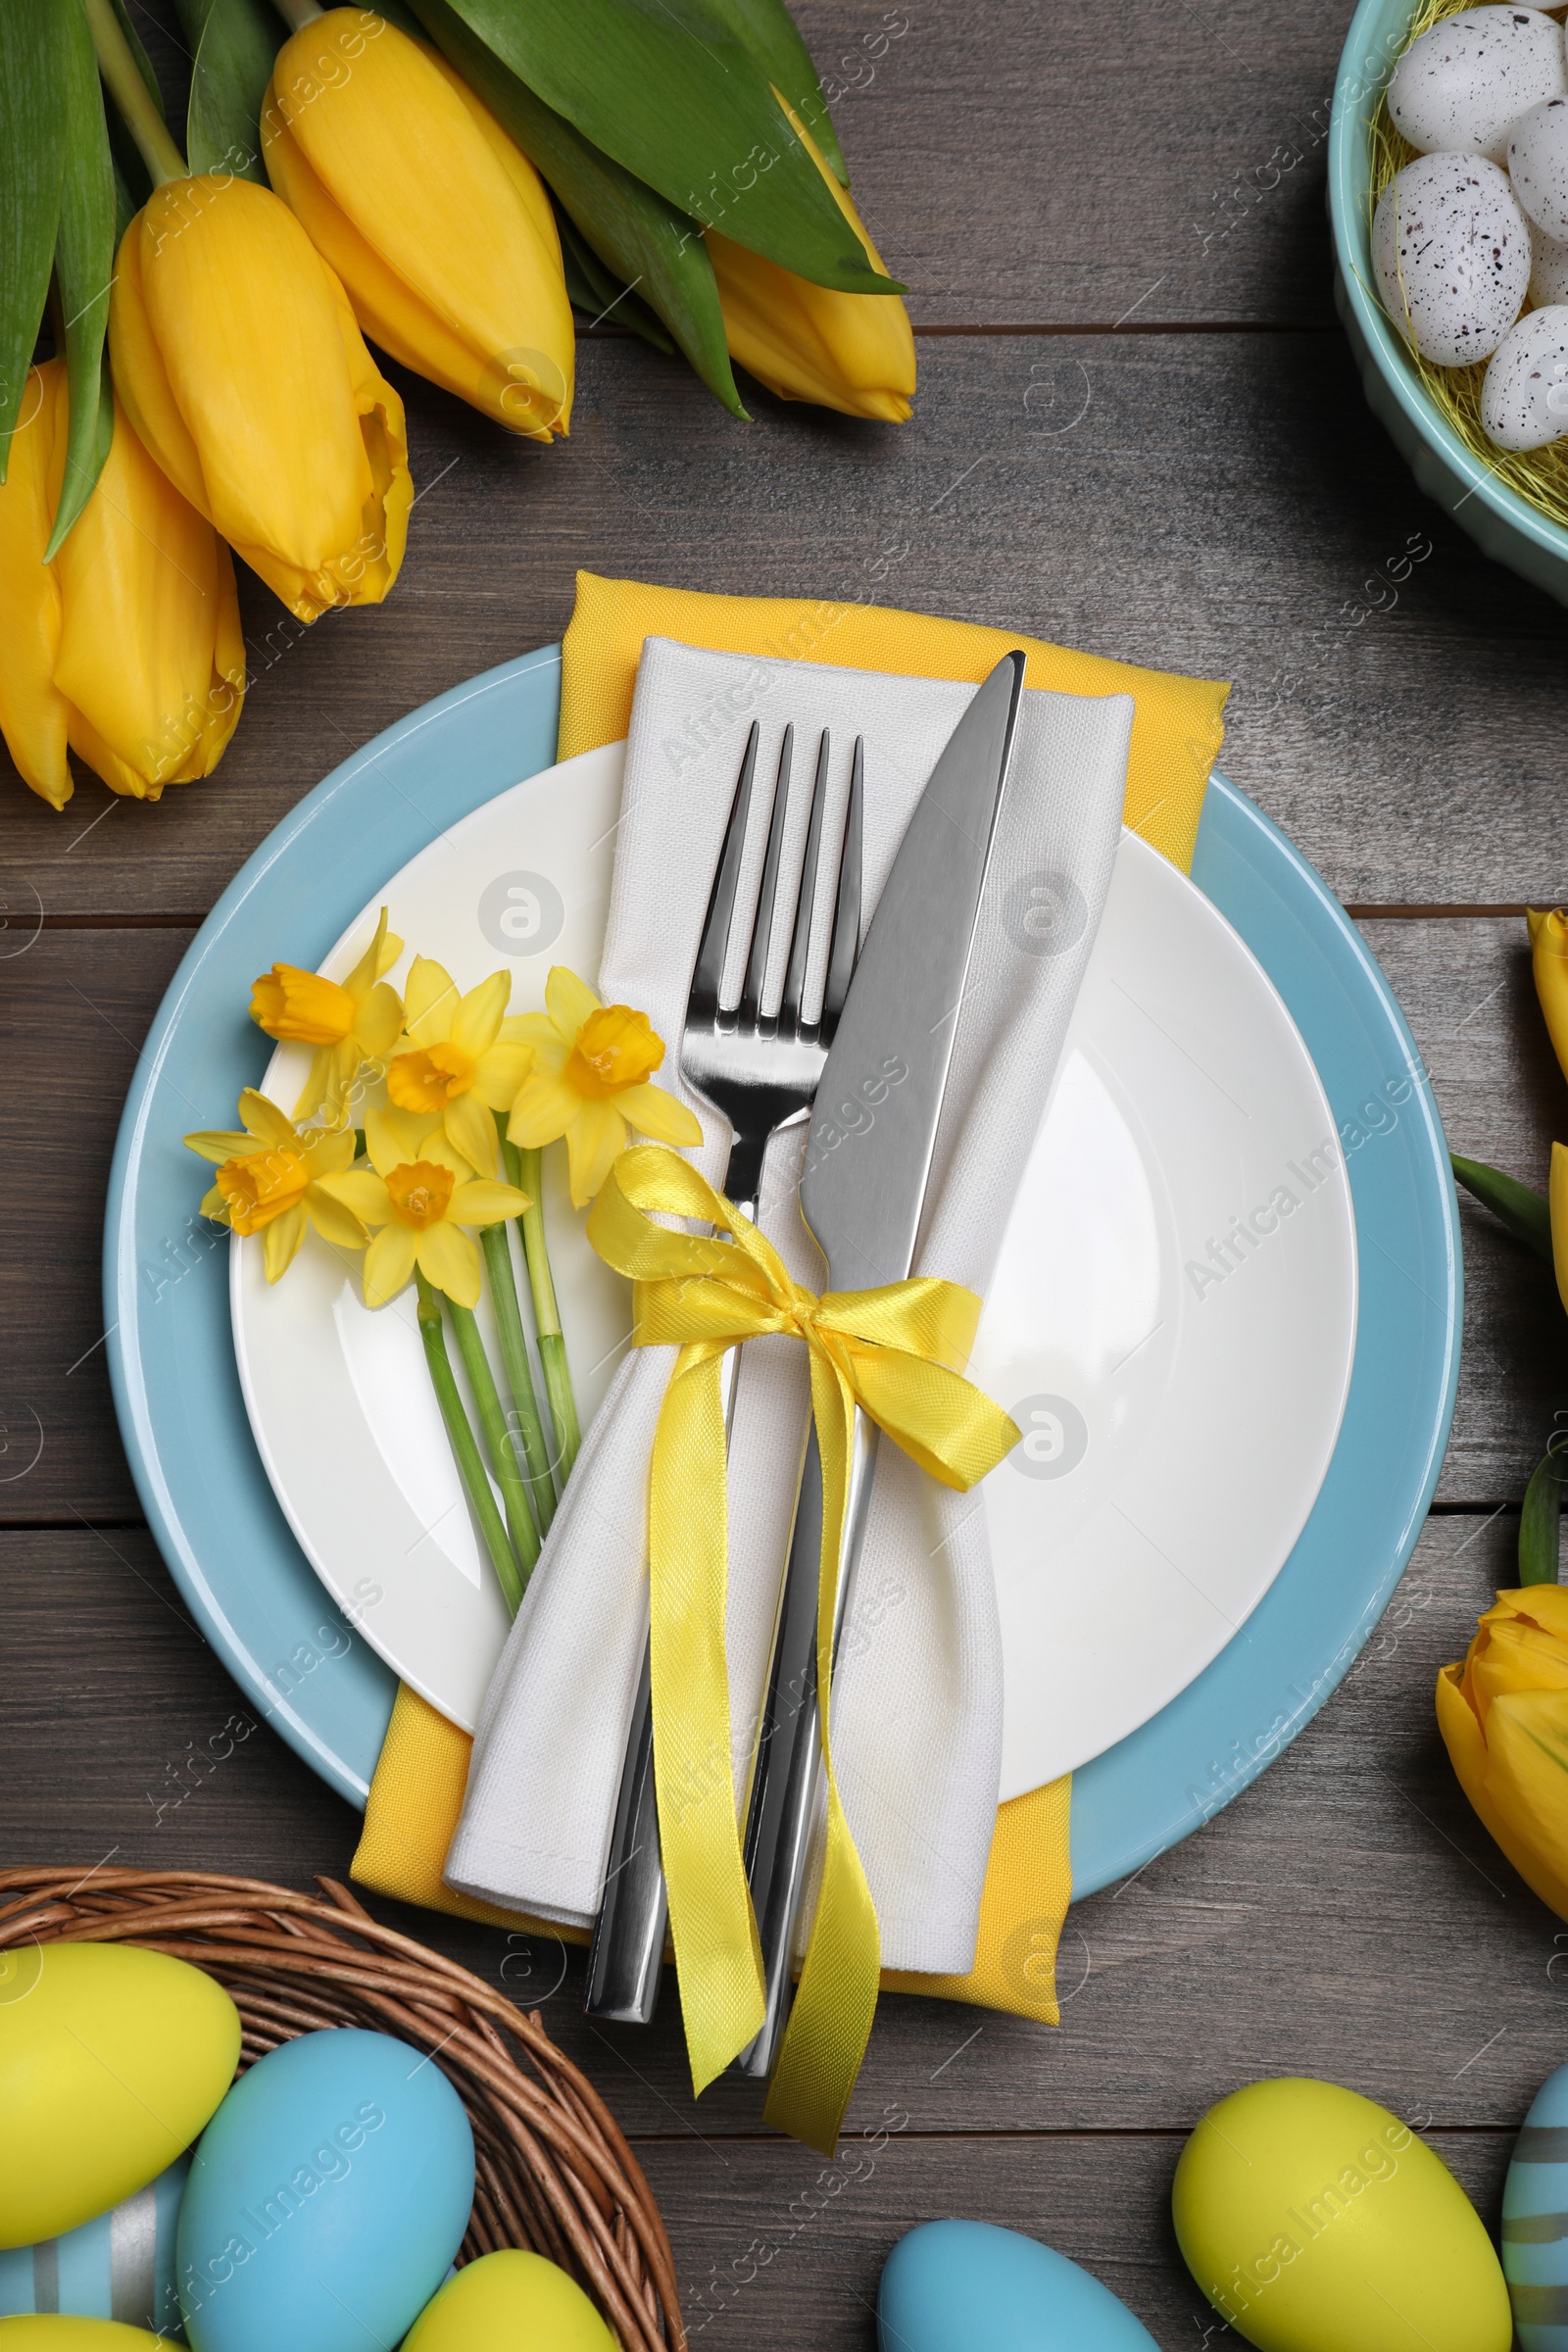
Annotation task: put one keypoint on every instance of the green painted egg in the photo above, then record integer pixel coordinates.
(111, 2060)
(504, 2301)
(1316, 2222)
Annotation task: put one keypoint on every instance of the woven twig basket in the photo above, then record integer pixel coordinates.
(554, 2172)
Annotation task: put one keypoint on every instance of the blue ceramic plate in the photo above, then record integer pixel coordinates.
(172, 1358)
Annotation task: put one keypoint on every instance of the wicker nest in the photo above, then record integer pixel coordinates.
(553, 2171)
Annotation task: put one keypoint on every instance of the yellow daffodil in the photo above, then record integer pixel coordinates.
(851, 352)
(420, 1194)
(1548, 957)
(458, 1068)
(127, 647)
(1503, 1716)
(592, 1064)
(434, 220)
(241, 367)
(271, 1181)
(349, 1022)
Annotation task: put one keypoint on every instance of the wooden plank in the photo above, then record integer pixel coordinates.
(1345, 1917)
(1211, 504)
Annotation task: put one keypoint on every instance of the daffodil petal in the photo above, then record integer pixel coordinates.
(328, 1149)
(570, 999)
(395, 1137)
(449, 1259)
(593, 1139)
(528, 1028)
(214, 1206)
(389, 1263)
(314, 1093)
(498, 1074)
(477, 1020)
(378, 957)
(266, 1121)
(429, 1002)
(280, 1241)
(654, 1111)
(379, 1020)
(472, 1132)
(218, 1144)
(363, 1194)
(333, 1220)
(543, 1111)
(443, 1152)
(485, 1204)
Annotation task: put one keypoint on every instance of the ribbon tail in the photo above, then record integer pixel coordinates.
(718, 1956)
(835, 2001)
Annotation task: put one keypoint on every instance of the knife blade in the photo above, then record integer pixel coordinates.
(868, 1165)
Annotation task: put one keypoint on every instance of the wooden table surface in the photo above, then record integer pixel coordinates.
(1138, 431)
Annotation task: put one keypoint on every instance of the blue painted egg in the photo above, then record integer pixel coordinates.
(954, 2287)
(120, 2265)
(327, 2198)
(1535, 2221)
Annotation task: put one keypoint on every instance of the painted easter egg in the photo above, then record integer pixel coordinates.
(1538, 165)
(952, 2286)
(503, 2300)
(111, 2061)
(1548, 267)
(118, 2265)
(1450, 252)
(1316, 2222)
(59, 2332)
(1535, 2221)
(326, 2199)
(1524, 393)
(1466, 78)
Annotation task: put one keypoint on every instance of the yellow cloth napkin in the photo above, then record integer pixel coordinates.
(416, 1793)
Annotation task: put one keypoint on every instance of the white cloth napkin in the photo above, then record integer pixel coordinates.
(917, 1695)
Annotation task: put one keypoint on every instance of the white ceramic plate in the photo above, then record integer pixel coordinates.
(1178, 1418)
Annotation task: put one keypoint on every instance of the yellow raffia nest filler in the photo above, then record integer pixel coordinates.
(1537, 475)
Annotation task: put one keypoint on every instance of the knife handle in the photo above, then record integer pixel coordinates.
(788, 1761)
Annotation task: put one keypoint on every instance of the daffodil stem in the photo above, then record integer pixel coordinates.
(133, 101)
(465, 1446)
(525, 1169)
(520, 1524)
(520, 1376)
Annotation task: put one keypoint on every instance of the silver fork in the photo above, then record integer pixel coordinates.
(761, 1071)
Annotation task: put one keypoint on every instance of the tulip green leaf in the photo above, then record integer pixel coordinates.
(84, 263)
(1539, 1523)
(645, 243)
(773, 38)
(234, 44)
(33, 149)
(1524, 1212)
(670, 91)
(599, 291)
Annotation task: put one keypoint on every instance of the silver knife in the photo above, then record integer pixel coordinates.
(867, 1160)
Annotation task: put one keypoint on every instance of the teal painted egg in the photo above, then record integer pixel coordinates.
(327, 2198)
(1534, 2222)
(120, 2265)
(955, 2286)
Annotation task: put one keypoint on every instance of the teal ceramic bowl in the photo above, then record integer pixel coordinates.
(1504, 525)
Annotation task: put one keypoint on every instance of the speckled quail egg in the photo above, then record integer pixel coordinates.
(1538, 165)
(1548, 267)
(1462, 84)
(1524, 394)
(1450, 252)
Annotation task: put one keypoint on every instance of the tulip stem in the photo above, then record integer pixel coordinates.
(498, 1440)
(529, 1429)
(525, 1169)
(465, 1446)
(297, 13)
(1540, 1524)
(133, 100)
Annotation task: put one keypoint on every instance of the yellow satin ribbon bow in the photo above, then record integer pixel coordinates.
(891, 1352)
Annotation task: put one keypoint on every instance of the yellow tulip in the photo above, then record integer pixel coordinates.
(1504, 1715)
(434, 220)
(1557, 1206)
(851, 352)
(127, 647)
(1548, 957)
(592, 1064)
(241, 367)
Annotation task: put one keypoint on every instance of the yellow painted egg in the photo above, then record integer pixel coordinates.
(1315, 2221)
(63, 2331)
(505, 2300)
(111, 2060)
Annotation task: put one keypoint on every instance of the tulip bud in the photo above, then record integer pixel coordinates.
(1504, 1715)
(851, 352)
(1548, 958)
(436, 222)
(241, 367)
(126, 646)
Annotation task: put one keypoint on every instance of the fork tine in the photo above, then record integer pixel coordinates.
(845, 944)
(707, 974)
(768, 895)
(789, 1011)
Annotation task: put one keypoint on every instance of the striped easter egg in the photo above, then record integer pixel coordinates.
(118, 2265)
(1534, 2222)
